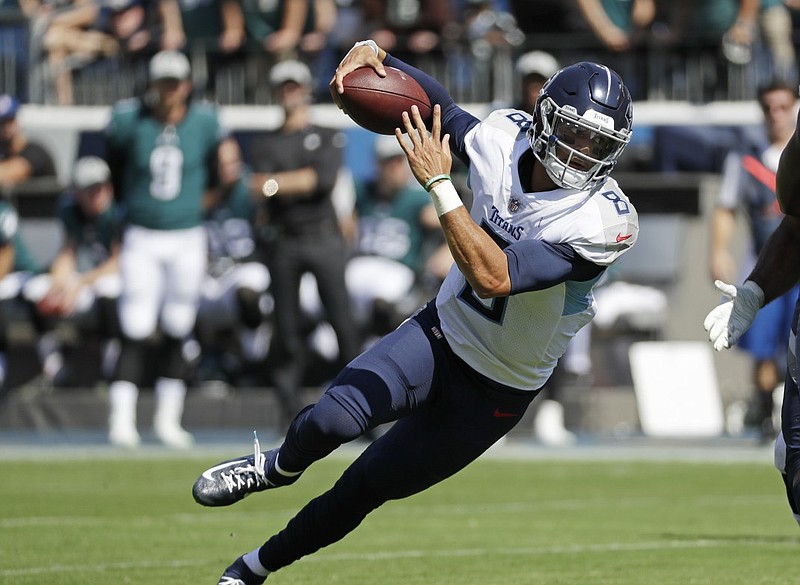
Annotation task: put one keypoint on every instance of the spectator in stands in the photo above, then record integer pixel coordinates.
(748, 185)
(14, 48)
(160, 150)
(17, 266)
(415, 30)
(72, 39)
(544, 16)
(212, 24)
(294, 29)
(533, 69)
(618, 23)
(83, 282)
(484, 38)
(775, 23)
(127, 21)
(20, 159)
(289, 27)
(235, 297)
(704, 27)
(296, 167)
(622, 27)
(213, 28)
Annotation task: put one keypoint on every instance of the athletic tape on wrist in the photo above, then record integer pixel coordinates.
(445, 197)
(368, 43)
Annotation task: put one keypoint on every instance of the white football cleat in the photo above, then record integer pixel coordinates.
(173, 435)
(549, 425)
(124, 436)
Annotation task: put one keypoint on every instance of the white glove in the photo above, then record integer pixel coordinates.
(726, 323)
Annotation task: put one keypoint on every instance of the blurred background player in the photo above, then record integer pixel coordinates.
(394, 232)
(17, 266)
(235, 298)
(393, 220)
(748, 185)
(21, 159)
(533, 69)
(83, 283)
(296, 167)
(161, 152)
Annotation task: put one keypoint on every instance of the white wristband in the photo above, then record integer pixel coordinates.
(445, 197)
(368, 43)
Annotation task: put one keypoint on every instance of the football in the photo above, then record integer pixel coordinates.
(377, 103)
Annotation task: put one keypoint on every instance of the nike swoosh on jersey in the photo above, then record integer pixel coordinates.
(500, 414)
(207, 473)
(621, 238)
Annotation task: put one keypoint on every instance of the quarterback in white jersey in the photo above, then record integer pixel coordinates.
(546, 221)
(517, 339)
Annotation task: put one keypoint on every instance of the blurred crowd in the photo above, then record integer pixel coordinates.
(302, 264)
(92, 52)
(191, 256)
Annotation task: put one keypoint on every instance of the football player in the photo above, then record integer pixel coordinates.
(234, 296)
(83, 283)
(776, 271)
(546, 222)
(161, 150)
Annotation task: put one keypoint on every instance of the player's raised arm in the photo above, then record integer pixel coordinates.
(777, 268)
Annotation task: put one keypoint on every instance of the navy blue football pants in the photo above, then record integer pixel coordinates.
(447, 415)
(787, 445)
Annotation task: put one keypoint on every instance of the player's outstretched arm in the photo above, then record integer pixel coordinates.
(479, 258)
(776, 271)
(778, 266)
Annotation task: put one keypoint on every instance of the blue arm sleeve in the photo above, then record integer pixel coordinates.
(537, 265)
(455, 121)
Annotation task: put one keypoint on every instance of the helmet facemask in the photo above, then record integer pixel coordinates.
(577, 151)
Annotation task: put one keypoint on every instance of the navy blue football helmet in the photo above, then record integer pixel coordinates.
(581, 124)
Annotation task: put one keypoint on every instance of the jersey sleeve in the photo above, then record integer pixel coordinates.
(608, 227)
(536, 265)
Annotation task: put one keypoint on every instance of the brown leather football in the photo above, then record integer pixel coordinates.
(377, 103)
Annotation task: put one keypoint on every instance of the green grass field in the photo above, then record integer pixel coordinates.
(132, 520)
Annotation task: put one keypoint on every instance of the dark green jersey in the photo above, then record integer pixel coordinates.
(392, 228)
(230, 228)
(161, 170)
(93, 237)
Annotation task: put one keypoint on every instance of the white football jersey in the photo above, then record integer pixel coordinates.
(517, 340)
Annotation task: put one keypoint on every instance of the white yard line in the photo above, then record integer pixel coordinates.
(627, 547)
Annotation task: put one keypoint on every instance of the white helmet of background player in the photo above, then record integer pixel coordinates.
(587, 106)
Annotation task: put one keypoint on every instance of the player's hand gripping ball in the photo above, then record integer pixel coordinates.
(377, 103)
